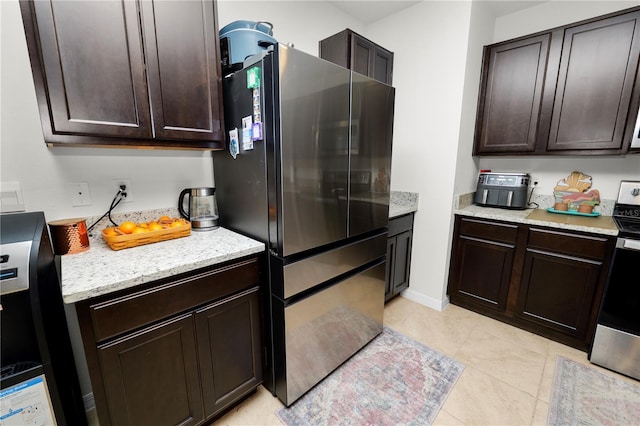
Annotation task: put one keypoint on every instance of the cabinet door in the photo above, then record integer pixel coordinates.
(482, 260)
(402, 260)
(151, 377)
(355, 52)
(511, 96)
(398, 255)
(389, 271)
(383, 65)
(183, 69)
(482, 272)
(595, 82)
(229, 347)
(362, 54)
(371, 60)
(562, 281)
(557, 291)
(91, 80)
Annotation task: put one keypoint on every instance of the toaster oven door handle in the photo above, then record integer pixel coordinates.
(485, 194)
(509, 198)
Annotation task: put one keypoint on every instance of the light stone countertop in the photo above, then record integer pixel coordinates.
(598, 225)
(101, 270)
(401, 203)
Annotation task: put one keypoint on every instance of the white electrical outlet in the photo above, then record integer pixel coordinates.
(79, 194)
(127, 183)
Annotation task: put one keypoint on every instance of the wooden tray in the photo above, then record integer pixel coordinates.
(119, 242)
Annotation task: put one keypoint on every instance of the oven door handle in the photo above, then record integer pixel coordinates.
(628, 244)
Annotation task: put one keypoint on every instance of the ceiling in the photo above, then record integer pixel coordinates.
(368, 11)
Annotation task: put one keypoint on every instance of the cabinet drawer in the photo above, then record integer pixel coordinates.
(400, 224)
(587, 246)
(119, 315)
(488, 230)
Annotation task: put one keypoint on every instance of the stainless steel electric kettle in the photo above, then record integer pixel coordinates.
(202, 210)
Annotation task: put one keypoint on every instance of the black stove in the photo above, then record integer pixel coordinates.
(628, 227)
(616, 343)
(626, 212)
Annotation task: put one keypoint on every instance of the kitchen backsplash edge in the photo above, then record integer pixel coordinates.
(400, 203)
(543, 201)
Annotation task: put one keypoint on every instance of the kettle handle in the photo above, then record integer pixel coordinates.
(258, 23)
(180, 203)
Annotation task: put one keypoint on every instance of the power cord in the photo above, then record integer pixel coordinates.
(529, 203)
(120, 195)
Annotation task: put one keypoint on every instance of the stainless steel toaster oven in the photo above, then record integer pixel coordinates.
(504, 190)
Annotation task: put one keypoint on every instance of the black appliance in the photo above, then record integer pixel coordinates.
(306, 136)
(616, 344)
(39, 378)
(503, 190)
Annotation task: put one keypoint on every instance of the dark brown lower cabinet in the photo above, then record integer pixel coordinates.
(484, 254)
(229, 350)
(561, 276)
(151, 377)
(398, 255)
(177, 351)
(547, 281)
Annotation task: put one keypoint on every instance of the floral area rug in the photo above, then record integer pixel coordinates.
(582, 395)
(394, 380)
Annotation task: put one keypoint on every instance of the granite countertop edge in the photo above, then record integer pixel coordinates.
(402, 202)
(100, 270)
(520, 216)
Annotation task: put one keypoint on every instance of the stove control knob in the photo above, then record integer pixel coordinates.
(635, 192)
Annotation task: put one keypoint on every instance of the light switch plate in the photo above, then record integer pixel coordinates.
(11, 197)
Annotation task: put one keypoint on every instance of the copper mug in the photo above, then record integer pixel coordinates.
(69, 236)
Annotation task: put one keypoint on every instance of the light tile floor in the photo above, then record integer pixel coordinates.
(507, 378)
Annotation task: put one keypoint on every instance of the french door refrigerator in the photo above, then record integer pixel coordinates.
(307, 172)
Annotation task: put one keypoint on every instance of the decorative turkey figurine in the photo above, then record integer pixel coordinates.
(572, 193)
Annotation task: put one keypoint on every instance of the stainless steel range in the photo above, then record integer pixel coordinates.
(616, 344)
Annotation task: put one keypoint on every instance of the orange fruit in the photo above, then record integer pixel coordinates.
(110, 232)
(138, 230)
(143, 225)
(154, 226)
(164, 219)
(176, 223)
(127, 227)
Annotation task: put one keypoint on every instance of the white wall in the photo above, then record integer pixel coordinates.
(480, 34)
(429, 41)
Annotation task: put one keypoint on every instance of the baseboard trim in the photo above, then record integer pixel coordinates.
(430, 302)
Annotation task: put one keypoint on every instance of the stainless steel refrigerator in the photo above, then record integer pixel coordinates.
(307, 172)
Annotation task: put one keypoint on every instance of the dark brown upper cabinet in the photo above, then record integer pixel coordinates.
(572, 90)
(352, 51)
(513, 80)
(126, 73)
